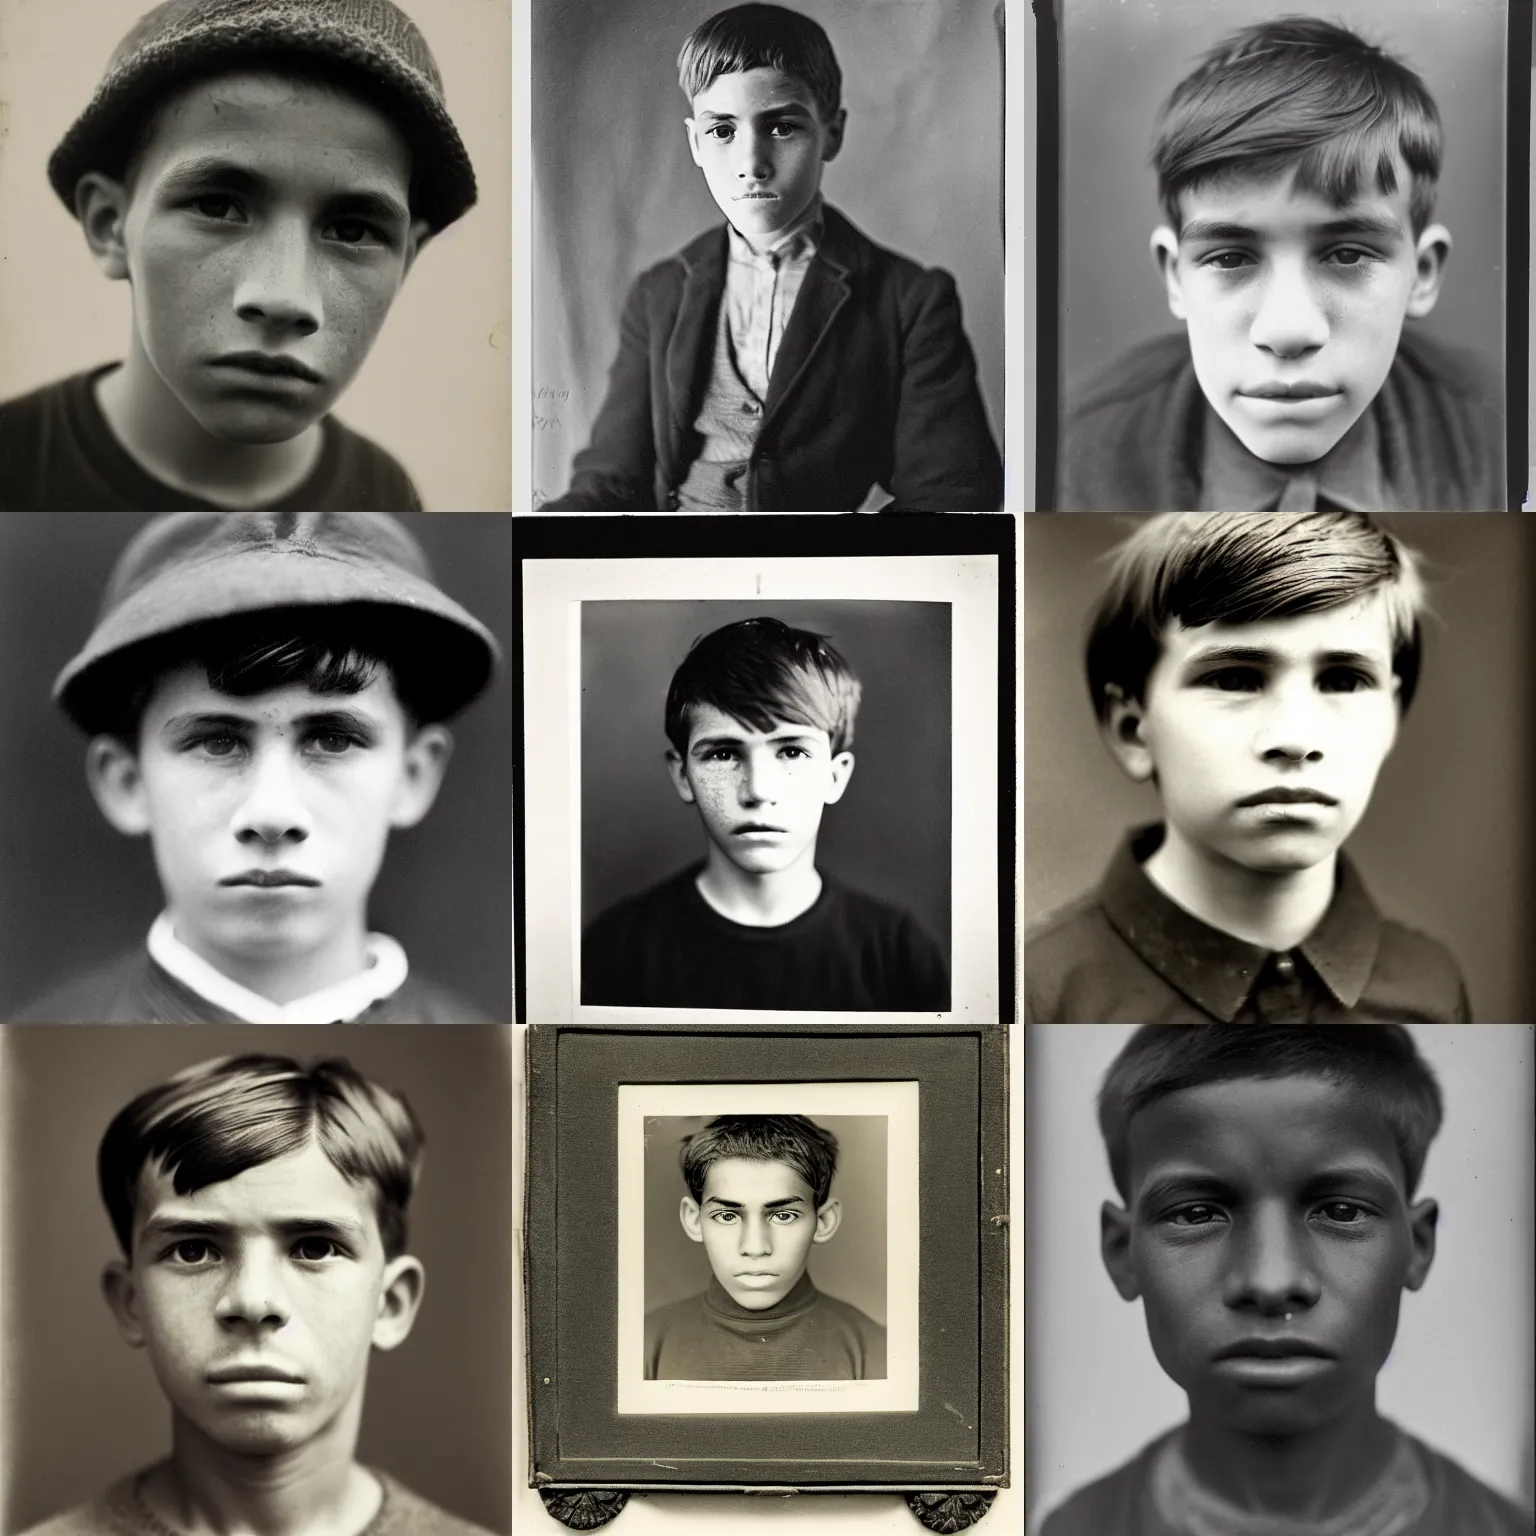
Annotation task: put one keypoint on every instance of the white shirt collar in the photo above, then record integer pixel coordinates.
(383, 975)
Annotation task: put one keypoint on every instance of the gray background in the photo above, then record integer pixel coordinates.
(850, 1267)
(1449, 842)
(890, 833)
(615, 189)
(1120, 59)
(82, 1408)
(73, 892)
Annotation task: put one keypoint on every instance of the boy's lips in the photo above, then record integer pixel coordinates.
(266, 879)
(267, 365)
(756, 197)
(1287, 796)
(254, 1371)
(758, 829)
(1300, 389)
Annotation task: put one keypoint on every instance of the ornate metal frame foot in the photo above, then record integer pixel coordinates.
(584, 1509)
(949, 1512)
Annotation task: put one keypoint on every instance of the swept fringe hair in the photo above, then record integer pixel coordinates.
(793, 1139)
(762, 37)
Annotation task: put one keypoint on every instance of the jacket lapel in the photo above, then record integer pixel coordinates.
(691, 344)
(822, 295)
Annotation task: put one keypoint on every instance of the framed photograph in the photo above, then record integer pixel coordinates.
(871, 665)
(775, 1259)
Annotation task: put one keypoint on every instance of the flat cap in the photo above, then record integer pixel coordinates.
(185, 568)
(372, 40)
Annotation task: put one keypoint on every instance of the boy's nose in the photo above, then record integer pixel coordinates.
(1292, 729)
(1289, 321)
(252, 1296)
(758, 784)
(754, 162)
(272, 810)
(278, 289)
(1271, 1269)
(756, 1240)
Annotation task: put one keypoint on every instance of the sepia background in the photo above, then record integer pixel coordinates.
(1448, 844)
(436, 390)
(850, 1267)
(81, 1408)
(74, 892)
(1120, 59)
(1460, 1374)
(615, 189)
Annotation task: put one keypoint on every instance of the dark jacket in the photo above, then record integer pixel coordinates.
(1132, 438)
(874, 382)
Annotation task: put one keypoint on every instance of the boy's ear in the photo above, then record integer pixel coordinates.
(1124, 733)
(679, 774)
(101, 205)
(426, 761)
(842, 771)
(1422, 1219)
(1165, 253)
(691, 129)
(399, 1301)
(416, 241)
(829, 1218)
(835, 126)
(117, 784)
(688, 1214)
(1115, 1249)
(122, 1298)
(1430, 256)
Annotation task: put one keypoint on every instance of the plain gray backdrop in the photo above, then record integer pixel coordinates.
(890, 833)
(1449, 842)
(1119, 61)
(851, 1266)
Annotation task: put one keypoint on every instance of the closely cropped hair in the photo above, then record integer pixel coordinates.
(1198, 568)
(763, 673)
(762, 37)
(331, 650)
(1377, 1062)
(792, 1139)
(1306, 93)
(213, 1121)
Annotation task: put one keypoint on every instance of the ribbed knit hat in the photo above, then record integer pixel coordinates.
(186, 568)
(372, 39)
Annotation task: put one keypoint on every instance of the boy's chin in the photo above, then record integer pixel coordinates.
(1287, 444)
(254, 425)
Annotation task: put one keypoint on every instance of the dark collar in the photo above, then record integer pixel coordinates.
(1349, 475)
(1213, 968)
(801, 1298)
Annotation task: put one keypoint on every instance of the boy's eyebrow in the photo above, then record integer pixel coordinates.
(1192, 1182)
(1349, 224)
(726, 739)
(241, 178)
(771, 1205)
(324, 719)
(161, 1228)
(778, 111)
(1263, 656)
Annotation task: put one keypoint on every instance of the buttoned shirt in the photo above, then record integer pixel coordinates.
(1348, 478)
(1130, 954)
(760, 293)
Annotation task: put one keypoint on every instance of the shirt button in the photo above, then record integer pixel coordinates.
(1286, 966)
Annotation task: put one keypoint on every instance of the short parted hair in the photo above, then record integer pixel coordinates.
(212, 1121)
(1377, 1062)
(330, 650)
(792, 1139)
(762, 37)
(1195, 568)
(762, 673)
(1302, 92)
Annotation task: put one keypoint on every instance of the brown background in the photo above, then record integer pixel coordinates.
(82, 1408)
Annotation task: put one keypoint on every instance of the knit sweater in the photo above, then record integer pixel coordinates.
(804, 1337)
(1132, 438)
(119, 1512)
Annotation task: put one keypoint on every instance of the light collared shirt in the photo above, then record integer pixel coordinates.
(1349, 477)
(760, 293)
(382, 976)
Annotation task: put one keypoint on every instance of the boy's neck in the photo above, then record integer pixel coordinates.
(316, 1489)
(285, 979)
(759, 900)
(159, 434)
(1273, 910)
(1312, 1475)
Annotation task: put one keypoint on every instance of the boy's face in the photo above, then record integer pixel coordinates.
(1294, 307)
(259, 1299)
(269, 815)
(757, 1222)
(268, 216)
(759, 138)
(1266, 738)
(760, 794)
(1251, 1200)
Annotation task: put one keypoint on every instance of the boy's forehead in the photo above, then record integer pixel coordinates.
(749, 1179)
(1276, 206)
(751, 92)
(1253, 1132)
(708, 723)
(1360, 628)
(185, 691)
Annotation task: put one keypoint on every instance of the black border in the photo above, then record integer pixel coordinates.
(1047, 250)
(705, 1473)
(1517, 249)
(595, 537)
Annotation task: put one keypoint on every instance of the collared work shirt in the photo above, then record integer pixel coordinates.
(1348, 478)
(760, 294)
(1129, 954)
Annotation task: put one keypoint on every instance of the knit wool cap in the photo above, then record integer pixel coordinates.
(372, 39)
(187, 568)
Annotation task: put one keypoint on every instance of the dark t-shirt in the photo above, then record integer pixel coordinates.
(57, 454)
(668, 948)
